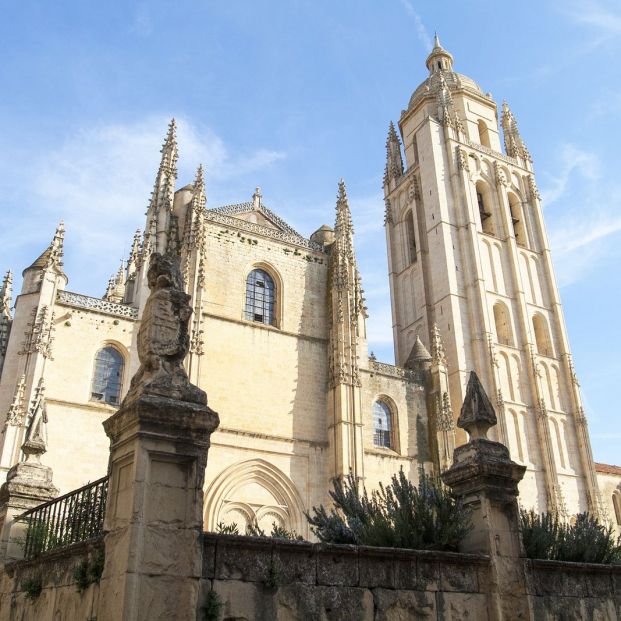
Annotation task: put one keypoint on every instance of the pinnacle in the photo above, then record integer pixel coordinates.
(436, 40)
(477, 413)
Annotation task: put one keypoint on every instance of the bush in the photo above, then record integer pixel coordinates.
(585, 541)
(254, 530)
(399, 515)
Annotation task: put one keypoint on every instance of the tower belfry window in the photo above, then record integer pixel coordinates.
(485, 214)
(260, 297)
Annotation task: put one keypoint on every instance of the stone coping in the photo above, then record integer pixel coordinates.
(264, 560)
(57, 555)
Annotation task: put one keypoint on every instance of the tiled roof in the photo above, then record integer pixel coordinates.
(607, 469)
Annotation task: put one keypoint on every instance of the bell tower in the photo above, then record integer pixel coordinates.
(468, 252)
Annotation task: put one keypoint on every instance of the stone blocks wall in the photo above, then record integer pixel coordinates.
(59, 598)
(259, 579)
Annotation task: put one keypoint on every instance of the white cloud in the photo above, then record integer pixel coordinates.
(421, 31)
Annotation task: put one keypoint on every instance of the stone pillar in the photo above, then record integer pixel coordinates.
(28, 484)
(486, 480)
(159, 443)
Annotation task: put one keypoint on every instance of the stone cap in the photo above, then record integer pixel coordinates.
(477, 413)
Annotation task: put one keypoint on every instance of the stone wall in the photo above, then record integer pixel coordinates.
(59, 599)
(259, 579)
(262, 579)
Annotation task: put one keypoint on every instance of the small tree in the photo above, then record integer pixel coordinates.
(398, 515)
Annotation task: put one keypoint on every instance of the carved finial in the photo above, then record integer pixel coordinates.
(134, 255)
(34, 446)
(52, 256)
(199, 180)
(477, 413)
(343, 221)
(436, 40)
(394, 161)
(15, 415)
(169, 149)
(256, 198)
(6, 295)
(514, 145)
(438, 355)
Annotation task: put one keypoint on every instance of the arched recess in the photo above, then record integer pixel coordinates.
(256, 489)
(483, 133)
(616, 503)
(263, 282)
(517, 219)
(542, 335)
(502, 322)
(410, 237)
(484, 202)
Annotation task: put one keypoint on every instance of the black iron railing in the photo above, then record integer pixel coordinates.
(76, 516)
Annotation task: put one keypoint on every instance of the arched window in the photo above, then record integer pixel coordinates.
(382, 425)
(107, 376)
(542, 336)
(411, 237)
(517, 220)
(483, 133)
(485, 208)
(502, 320)
(260, 297)
(616, 503)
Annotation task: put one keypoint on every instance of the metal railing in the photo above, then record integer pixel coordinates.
(74, 517)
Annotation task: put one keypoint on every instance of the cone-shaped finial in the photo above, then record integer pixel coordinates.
(418, 355)
(514, 145)
(343, 221)
(437, 347)
(52, 256)
(436, 40)
(394, 161)
(477, 413)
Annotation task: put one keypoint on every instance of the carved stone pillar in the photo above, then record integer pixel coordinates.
(159, 444)
(486, 480)
(28, 484)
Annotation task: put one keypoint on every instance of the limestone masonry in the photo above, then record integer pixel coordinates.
(278, 335)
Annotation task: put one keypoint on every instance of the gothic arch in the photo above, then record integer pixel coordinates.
(517, 219)
(409, 233)
(542, 335)
(483, 133)
(222, 496)
(108, 381)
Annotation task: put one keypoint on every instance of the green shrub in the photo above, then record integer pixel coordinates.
(33, 587)
(278, 532)
(398, 515)
(213, 606)
(584, 541)
(227, 529)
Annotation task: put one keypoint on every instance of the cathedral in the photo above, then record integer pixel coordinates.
(278, 332)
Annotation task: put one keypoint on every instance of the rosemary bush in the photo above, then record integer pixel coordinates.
(585, 541)
(398, 515)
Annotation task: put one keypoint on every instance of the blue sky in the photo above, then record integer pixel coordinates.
(291, 96)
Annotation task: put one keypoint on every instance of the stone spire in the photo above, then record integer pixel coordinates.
(52, 256)
(514, 145)
(116, 285)
(161, 205)
(418, 356)
(446, 108)
(6, 292)
(134, 253)
(346, 307)
(439, 59)
(6, 295)
(394, 161)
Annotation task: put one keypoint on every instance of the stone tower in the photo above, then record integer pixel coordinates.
(468, 252)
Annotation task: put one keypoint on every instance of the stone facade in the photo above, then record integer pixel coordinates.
(296, 394)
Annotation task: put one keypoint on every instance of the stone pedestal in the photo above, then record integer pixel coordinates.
(27, 485)
(485, 478)
(154, 518)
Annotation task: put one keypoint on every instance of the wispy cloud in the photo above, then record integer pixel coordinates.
(421, 31)
(99, 181)
(604, 17)
(582, 213)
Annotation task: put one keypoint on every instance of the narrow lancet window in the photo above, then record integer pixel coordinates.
(485, 212)
(108, 376)
(517, 220)
(260, 297)
(382, 425)
(483, 134)
(411, 236)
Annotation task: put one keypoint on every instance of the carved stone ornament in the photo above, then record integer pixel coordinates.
(462, 160)
(163, 339)
(477, 414)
